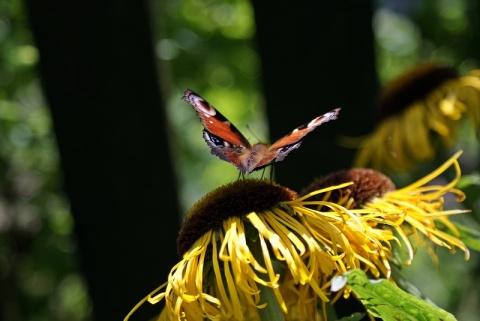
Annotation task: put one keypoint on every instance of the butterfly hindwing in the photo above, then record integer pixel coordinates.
(223, 150)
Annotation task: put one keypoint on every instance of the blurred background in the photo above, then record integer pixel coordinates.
(100, 159)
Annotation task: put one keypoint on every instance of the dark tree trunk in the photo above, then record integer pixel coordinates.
(99, 76)
(316, 56)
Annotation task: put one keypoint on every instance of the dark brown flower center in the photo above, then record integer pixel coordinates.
(414, 85)
(232, 200)
(367, 184)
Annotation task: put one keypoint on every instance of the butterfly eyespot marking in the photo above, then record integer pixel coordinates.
(217, 141)
(228, 143)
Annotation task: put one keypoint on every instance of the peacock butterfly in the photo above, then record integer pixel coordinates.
(227, 143)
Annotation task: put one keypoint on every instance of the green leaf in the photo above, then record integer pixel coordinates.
(357, 316)
(469, 236)
(468, 180)
(384, 300)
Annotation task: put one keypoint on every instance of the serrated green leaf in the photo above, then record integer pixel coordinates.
(386, 301)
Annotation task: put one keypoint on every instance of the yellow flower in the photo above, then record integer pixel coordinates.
(418, 111)
(253, 249)
(411, 211)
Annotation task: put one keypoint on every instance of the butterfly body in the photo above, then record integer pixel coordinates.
(227, 143)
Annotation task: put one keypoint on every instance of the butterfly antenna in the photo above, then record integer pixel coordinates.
(251, 132)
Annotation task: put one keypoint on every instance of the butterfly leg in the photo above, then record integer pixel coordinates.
(272, 173)
(241, 175)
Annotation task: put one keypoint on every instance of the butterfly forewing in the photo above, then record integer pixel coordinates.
(214, 122)
(280, 149)
(298, 133)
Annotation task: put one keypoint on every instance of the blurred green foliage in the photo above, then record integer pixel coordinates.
(38, 267)
(207, 46)
(408, 32)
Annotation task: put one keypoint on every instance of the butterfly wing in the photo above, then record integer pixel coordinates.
(213, 121)
(278, 150)
(225, 151)
(223, 138)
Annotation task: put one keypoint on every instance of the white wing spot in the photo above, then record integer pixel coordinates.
(313, 122)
